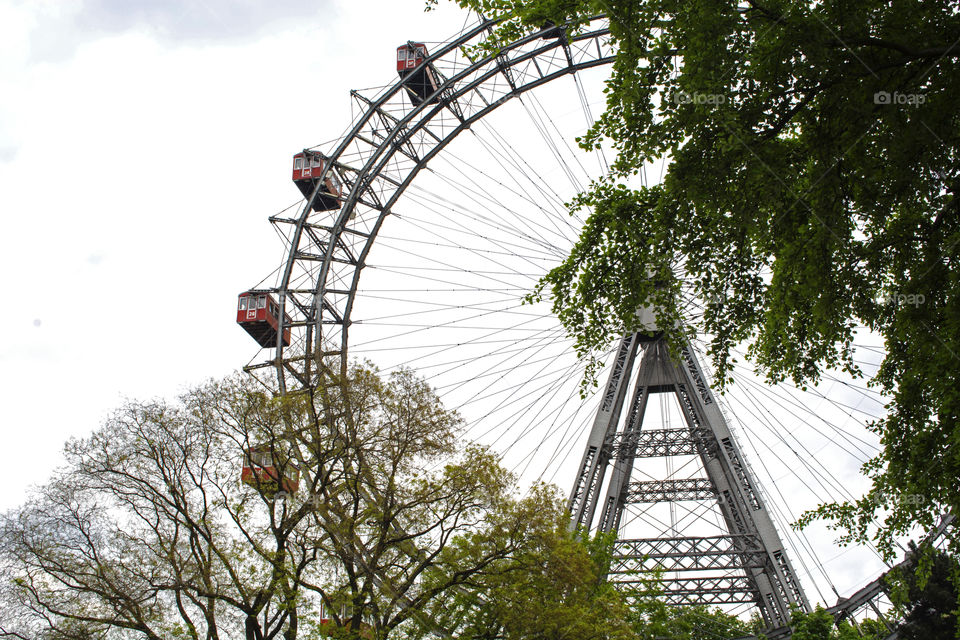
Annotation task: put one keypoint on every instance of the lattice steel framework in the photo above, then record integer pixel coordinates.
(388, 144)
(747, 564)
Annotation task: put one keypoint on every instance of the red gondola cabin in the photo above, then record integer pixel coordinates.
(258, 313)
(422, 84)
(308, 166)
(260, 471)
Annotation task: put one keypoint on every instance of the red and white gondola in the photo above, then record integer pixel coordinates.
(259, 315)
(422, 82)
(308, 168)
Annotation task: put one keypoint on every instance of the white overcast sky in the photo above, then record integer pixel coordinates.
(143, 144)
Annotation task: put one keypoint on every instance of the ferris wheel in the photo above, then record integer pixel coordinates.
(423, 231)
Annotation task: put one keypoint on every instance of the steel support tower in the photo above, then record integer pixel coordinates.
(724, 548)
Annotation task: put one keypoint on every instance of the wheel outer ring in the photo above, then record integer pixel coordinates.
(587, 49)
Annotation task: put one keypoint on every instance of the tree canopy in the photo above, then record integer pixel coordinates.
(925, 586)
(809, 196)
(365, 513)
(554, 588)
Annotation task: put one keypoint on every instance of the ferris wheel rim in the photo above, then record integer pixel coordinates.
(488, 67)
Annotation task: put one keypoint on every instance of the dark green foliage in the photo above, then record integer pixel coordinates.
(817, 625)
(552, 589)
(820, 625)
(811, 153)
(926, 588)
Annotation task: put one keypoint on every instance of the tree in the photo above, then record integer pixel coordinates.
(926, 587)
(148, 531)
(553, 589)
(810, 190)
(820, 625)
(556, 589)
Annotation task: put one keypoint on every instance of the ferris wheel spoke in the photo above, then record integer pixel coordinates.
(851, 444)
(513, 169)
(512, 404)
(484, 210)
(446, 242)
(516, 168)
(478, 219)
(492, 265)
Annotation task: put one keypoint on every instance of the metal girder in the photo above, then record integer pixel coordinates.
(751, 553)
(687, 554)
(618, 489)
(583, 499)
(741, 504)
(707, 590)
(389, 143)
(649, 491)
(656, 443)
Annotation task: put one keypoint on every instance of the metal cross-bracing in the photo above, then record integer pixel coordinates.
(671, 490)
(731, 552)
(657, 443)
(389, 143)
(697, 591)
(615, 481)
